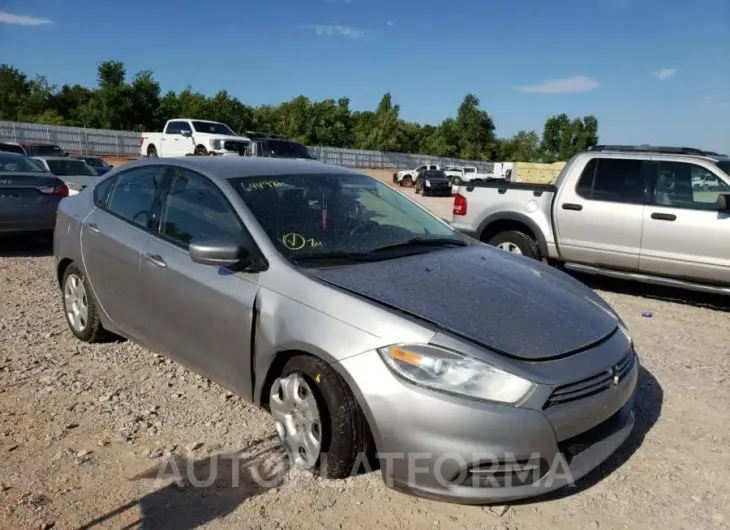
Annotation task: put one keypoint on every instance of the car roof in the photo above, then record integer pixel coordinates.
(229, 167)
(9, 143)
(49, 157)
(36, 143)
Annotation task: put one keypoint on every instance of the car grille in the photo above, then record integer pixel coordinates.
(231, 145)
(592, 385)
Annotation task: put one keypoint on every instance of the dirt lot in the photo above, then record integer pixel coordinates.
(85, 431)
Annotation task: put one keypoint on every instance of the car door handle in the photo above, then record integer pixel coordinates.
(93, 228)
(156, 259)
(663, 216)
(572, 206)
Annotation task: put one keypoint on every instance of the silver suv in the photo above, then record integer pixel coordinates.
(653, 214)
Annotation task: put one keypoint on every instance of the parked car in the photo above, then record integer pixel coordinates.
(185, 137)
(432, 182)
(99, 164)
(621, 211)
(33, 148)
(11, 147)
(407, 177)
(282, 281)
(28, 196)
(76, 173)
(276, 146)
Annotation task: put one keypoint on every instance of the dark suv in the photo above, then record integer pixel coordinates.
(433, 182)
(30, 148)
(276, 146)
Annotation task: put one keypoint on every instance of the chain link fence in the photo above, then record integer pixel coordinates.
(126, 144)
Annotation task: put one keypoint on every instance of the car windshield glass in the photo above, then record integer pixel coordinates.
(434, 174)
(328, 214)
(724, 165)
(284, 149)
(18, 163)
(70, 167)
(45, 150)
(470, 170)
(212, 128)
(94, 162)
(11, 148)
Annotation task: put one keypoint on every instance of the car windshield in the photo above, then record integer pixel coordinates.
(94, 162)
(325, 214)
(285, 149)
(11, 148)
(45, 150)
(208, 127)
(434, 174)
(470, 170)
(70, 167)
(724, 165)
(12, 162)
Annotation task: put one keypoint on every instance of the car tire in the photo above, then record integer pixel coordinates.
(151, 152)
(344, 433)
(516, 242)
(407, 181)
(201, 151)
(92, 331)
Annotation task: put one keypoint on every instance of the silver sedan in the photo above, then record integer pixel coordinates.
(366, 325)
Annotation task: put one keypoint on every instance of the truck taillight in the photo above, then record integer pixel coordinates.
(141, 140)
(57, 191)
(459, 204)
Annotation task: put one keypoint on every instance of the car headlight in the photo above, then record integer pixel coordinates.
(428, 183)
(454, 373)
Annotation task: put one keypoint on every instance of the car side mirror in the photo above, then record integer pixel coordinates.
(219, 253)
(186, 134)
(723, 201)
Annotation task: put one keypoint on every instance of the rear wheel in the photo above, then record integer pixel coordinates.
(516, 242)
(80, 308)
(151, 152)
(317, 419)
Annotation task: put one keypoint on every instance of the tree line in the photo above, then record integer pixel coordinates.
(140, 105)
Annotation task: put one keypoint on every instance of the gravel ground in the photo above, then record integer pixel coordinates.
(90, 433)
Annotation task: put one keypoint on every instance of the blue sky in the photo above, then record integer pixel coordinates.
(651, 71)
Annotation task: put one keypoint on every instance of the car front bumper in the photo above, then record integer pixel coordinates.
(459, 450)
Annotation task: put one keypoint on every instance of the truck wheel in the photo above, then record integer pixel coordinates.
(201, 151)
(151, 152)
(516, 243)
(395, 178)
(407, 181)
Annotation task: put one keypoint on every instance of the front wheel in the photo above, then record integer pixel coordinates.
(318, 421)
(516, 242)
(201, 151)
(407, 181)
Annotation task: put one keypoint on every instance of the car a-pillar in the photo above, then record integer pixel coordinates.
(513, 236)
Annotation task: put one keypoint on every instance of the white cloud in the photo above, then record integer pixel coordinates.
(664, 73)
(570, 85)
(22, 20)
(390, 23)
(337, 29)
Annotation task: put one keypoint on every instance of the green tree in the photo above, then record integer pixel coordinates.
(563, 138)
(477, 139)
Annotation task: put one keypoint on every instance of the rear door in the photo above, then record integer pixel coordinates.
(112, 237)
(599, 221)
(28, 201)
(684, 234)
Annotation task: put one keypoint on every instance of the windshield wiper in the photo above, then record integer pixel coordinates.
(421, 242)
(337, 255)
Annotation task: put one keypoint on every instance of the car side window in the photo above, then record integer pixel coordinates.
(196, 209)
(613, 180)
(134, 194)
(686, 185)
(102, 190)
(173, 127)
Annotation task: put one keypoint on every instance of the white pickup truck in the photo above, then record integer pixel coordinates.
(185, 137)
(630, 212)
(458, 174)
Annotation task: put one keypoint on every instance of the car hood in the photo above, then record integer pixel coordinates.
(227, 137)
(510, 304)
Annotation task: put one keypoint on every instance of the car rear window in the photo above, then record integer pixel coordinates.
(45, 150)
(14, 163)
(10, 148)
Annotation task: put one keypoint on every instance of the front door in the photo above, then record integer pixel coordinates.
(112, 237)
(684, 234)
(199, 314)
(599, 221)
